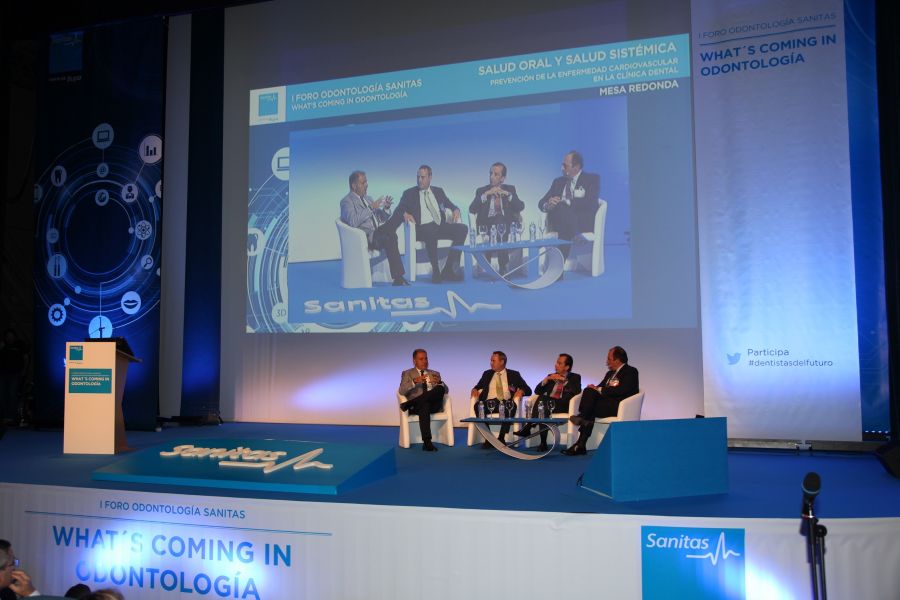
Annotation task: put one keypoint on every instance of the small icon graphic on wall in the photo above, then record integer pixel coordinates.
(151, 149)
(76, 352)
(57, 315)
(734, 359)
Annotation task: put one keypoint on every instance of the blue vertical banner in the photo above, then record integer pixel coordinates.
(98, 207)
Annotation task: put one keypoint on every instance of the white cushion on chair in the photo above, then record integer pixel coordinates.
(441, 424)
(629, 410)
(564, 434)
(411, 248)
(587, 247)
(359, 265)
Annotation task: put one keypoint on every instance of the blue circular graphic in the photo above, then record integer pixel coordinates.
(92, 260)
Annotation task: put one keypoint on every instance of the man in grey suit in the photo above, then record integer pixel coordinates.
(361, 211)
(424, 393)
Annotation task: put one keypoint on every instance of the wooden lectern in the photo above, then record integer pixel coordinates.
(95, 383)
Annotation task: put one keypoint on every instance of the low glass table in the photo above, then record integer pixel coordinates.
(483, 426)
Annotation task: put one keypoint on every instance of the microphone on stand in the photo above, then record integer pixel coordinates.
(811, 486)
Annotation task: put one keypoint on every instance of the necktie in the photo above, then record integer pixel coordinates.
(498, 388)
(496, 206)
(558, 390)
(369, 210)
(432, 207)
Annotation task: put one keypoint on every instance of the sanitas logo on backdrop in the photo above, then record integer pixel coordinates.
(692, 562)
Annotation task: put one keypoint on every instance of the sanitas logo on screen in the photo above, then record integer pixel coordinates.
(420, 306)
(372, 303)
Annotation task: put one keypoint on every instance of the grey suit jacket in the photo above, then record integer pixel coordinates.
(411, 389)
(355, 212)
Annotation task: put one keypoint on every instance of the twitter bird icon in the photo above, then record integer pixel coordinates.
(734, 359)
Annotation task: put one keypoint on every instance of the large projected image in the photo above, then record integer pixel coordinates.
(548, 233)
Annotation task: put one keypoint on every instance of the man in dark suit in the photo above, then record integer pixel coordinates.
(497, 204)
(424, 391)
(500, 385)
(558, 387)
(425, 206)
(572, 200)
(602, 400)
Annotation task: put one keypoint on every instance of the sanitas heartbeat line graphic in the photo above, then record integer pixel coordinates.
(452, 299)
(720, 552)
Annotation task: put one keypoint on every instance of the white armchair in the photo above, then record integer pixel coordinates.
(441, 424)
(359, 265)
(410, 255)
(629, 410)
(587, 247)
(475, 436)
(565, 436)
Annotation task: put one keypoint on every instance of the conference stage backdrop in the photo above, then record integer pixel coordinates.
(98, 207)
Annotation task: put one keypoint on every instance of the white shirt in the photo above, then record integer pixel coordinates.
(504, 384)
(573, 184)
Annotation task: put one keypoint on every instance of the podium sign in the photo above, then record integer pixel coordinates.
(95, 383)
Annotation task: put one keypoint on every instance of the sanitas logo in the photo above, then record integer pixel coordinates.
(692, 562)
(404, 306)
(682, 541)
(453, 299)
(370, 304)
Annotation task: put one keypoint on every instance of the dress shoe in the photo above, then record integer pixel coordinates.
(575, 450)
(428, 446)
(543, 448)
(524, 432)
(578, 420)
(485, 445)
(400, 281)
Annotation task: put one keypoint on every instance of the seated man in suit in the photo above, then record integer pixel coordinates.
(425, 206)
(424, 393)
(572, 200)
(497, 204)
(360, 211)
(558, 387)
(602, 400)
(499, 384)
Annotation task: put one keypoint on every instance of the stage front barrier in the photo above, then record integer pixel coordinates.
(95, 384)
(644, 460)
(164, 546)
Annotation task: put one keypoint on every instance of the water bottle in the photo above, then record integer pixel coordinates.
(493, 235)
(480, 410)
(542, 410)
(502, 409)
(472, 236)
(532, 231)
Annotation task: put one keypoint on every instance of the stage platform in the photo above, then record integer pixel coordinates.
(762, 483)
(442, 526)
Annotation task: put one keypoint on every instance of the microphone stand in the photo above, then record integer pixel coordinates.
(815, 544)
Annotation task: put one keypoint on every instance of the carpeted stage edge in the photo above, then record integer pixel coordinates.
(762, 484)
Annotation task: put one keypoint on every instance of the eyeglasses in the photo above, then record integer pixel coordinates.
(14, 563)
